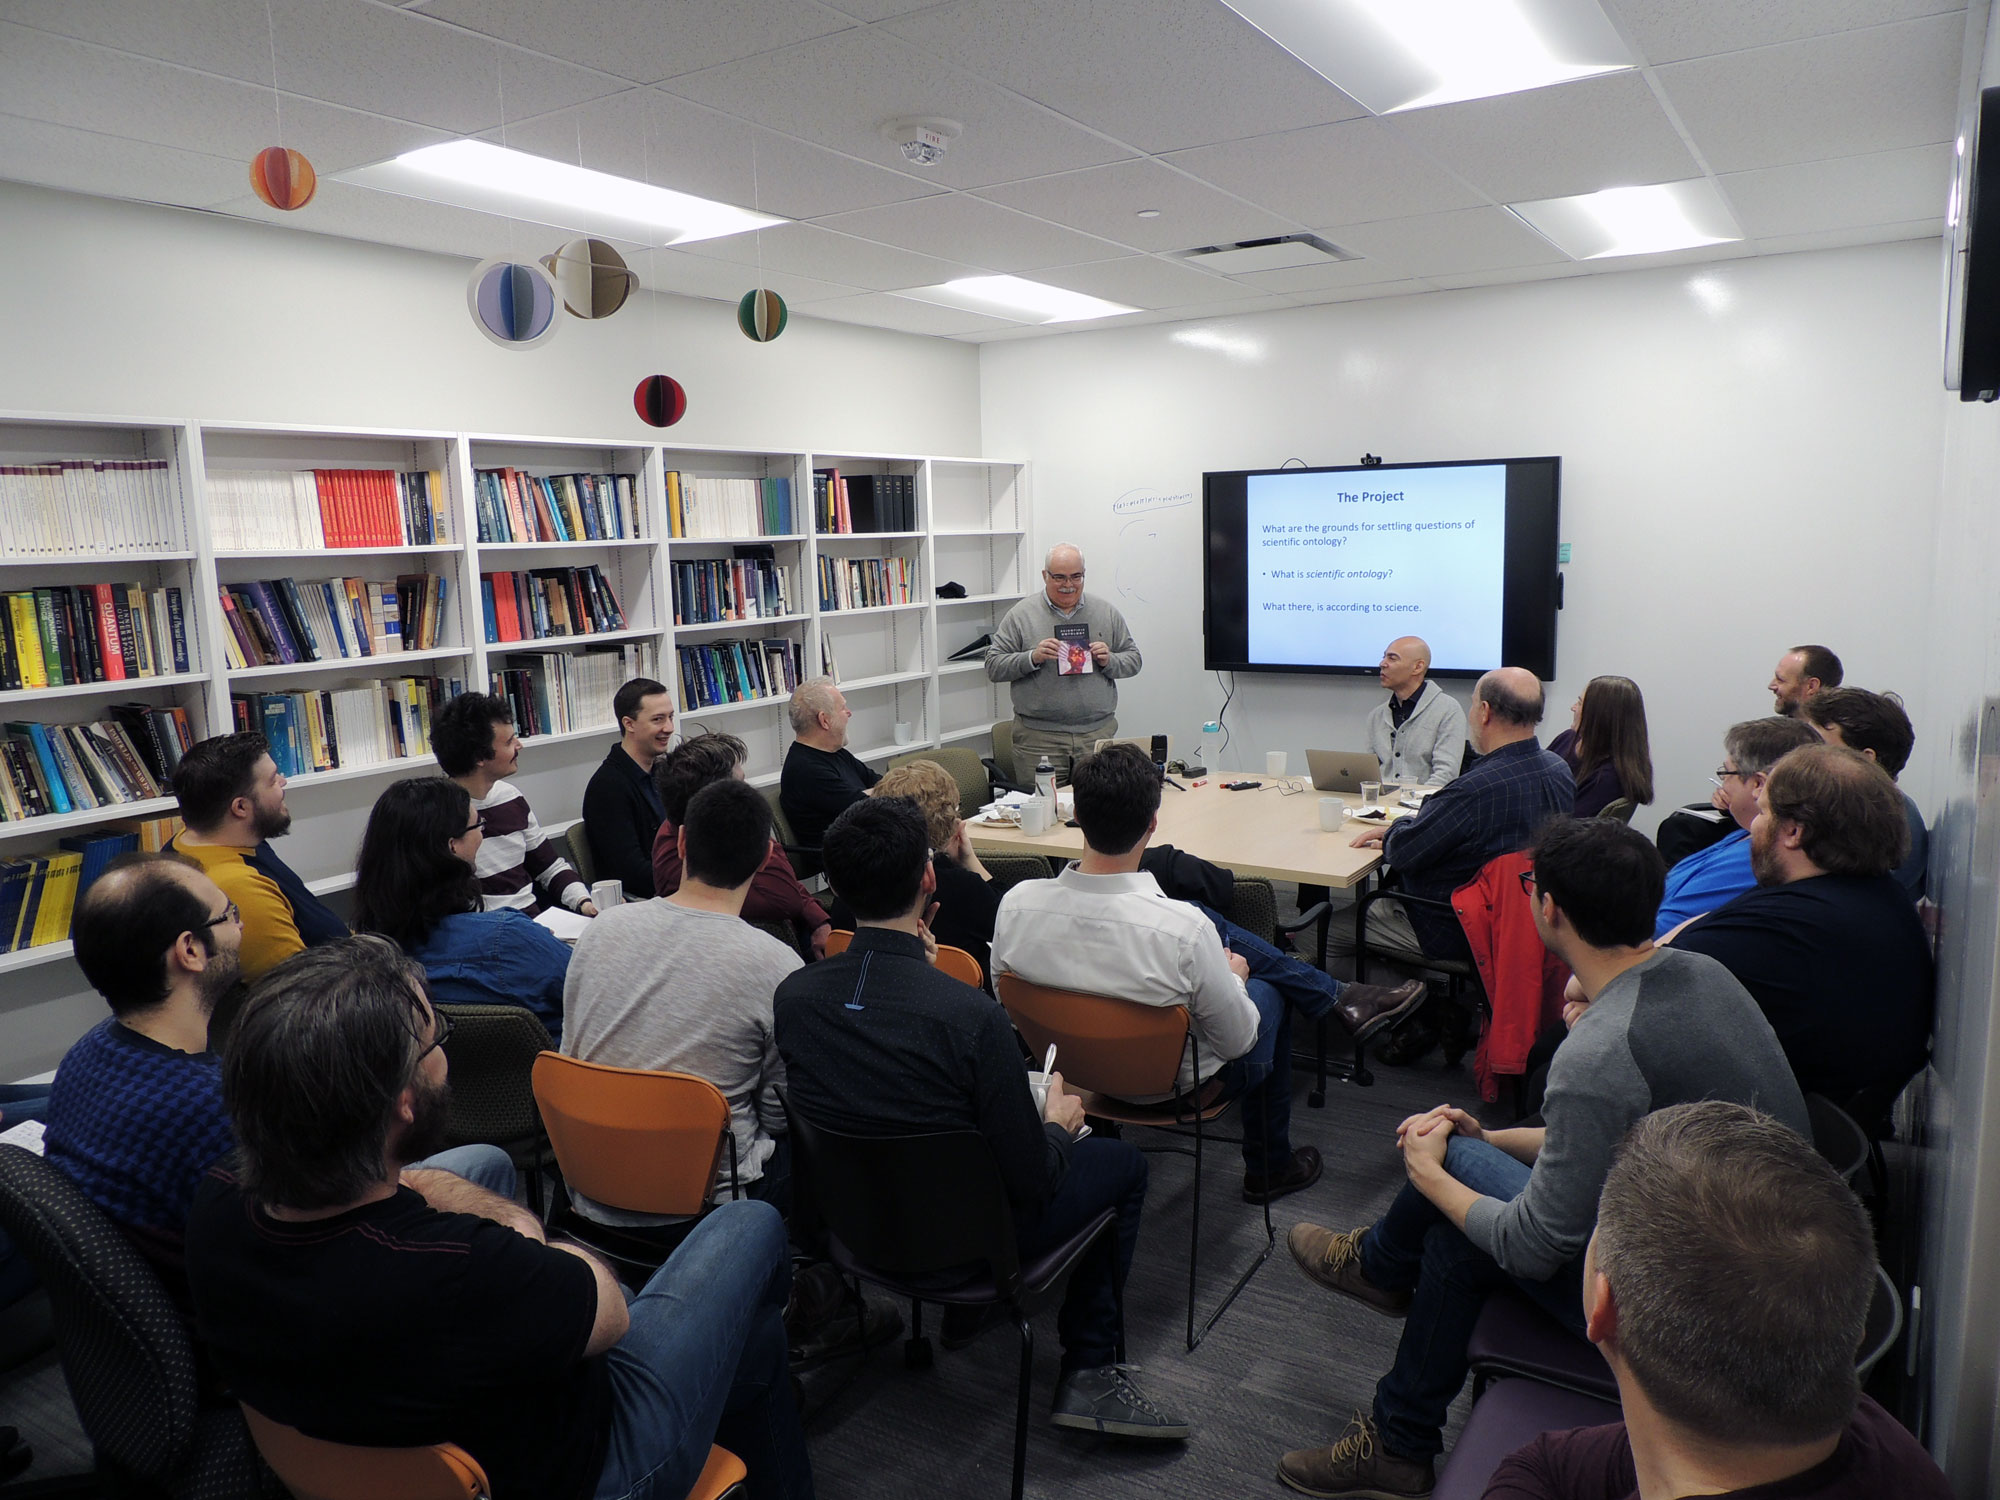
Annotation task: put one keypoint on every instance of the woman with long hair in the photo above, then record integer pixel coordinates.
(415, 884)
(1606, 745)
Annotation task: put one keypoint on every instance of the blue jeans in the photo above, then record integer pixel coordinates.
(1261, 1082)
(1414, 1247)
(482, 1166)
(704, 1362)
(1102, 1174)
(1312, 990)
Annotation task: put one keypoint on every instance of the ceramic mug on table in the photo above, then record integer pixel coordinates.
(1036, 816)
(606, 894)
(1330, 809)
(1274, 762)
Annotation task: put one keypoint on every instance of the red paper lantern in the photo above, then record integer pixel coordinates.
(659, 400)
(283, 178)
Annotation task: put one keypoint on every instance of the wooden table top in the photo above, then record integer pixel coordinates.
(1265, 832)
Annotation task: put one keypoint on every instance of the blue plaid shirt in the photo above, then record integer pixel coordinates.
(1495, 808)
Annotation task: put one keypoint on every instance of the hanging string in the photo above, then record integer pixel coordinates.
(277, 99)
(500, 87)
(756, 207)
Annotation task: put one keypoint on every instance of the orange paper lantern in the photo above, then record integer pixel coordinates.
(283, 178)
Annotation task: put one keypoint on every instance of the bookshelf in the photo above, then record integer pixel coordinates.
(970, 527)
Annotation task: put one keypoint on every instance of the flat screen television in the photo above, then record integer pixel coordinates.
(1316, 570)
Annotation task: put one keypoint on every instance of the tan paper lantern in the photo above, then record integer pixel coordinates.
(592, 276)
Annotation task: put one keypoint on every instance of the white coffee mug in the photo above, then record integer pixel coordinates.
(607, 894)
(1330, 809)
(905, 731)
(1036, 815)
(1274, 762)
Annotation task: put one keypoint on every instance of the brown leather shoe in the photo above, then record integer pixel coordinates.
(1357, 1467)
(1302, 1173)
(1332, 1257)
(1365, 1009)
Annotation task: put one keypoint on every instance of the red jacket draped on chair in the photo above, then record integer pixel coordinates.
(1524, 981)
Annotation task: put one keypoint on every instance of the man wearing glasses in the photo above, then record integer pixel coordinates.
(1062, 652)
(1717, 875)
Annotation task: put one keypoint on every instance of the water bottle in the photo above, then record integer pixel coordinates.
(1211, 744)
(1045, 782)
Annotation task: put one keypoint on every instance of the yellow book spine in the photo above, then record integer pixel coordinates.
(28, 640)
(52, 918)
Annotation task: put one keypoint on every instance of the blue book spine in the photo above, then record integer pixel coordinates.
(51, 771)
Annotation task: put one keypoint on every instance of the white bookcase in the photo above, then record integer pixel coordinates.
(972, 522)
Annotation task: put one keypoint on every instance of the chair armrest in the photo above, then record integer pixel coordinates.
(1001, 781)
(1317, 912)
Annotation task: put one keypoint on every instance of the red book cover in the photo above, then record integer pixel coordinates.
(506, 615)
(389, 508)
(107, 632)
(333, 508)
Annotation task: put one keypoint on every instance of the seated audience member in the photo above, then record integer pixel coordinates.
(232, 799)
(1828, 943)
(621, 806)
(1876, 725)
(1803, 673)
(877, 1042)
(775, 892)
(1717, 875)
(681, 983)
(363, 1309)
(821, 775)
(414, 885)
(135, 1114)
(518, 865)
(1104, 927)
(966, 900)
(1418, 735)
(1728, 1287)
(1487, 1209)
(1605, 746)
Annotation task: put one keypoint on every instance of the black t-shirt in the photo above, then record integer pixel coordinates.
(817, 786)
(1841, 969)
(395, 1325)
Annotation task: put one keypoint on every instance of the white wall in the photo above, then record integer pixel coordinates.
(126, 310)
(1750, 460)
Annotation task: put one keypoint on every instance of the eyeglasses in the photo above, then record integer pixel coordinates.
(1723, 773)
(230, 913)
(445, 1027)
(477, 825)
(1528, 881)
(1065, 580)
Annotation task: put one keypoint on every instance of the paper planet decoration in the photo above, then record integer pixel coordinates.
(592, 277)
(283, 178)
(660, 401)
(513, 302)
(761, 315)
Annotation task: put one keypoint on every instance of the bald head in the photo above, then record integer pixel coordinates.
(153, 929)
(1062, 575)
(1405, 663)
(1506, 707)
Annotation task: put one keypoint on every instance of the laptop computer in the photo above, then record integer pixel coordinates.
(1342, 770)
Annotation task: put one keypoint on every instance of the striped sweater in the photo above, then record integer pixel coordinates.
(518, 864)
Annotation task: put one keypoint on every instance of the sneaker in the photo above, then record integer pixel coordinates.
(822, 1324)
(1302, 1173)
(1357, 1467)
(1333, 1259)
(1106, 1400)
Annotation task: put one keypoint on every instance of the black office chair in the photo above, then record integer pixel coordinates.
(1253, 906)
(126, 1350)
(1837, 1137)
(1457, 973)
(491, 1054)
(804, 857)
(899, 1210)
(1009, 870)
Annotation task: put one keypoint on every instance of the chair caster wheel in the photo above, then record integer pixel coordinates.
(917, 1354)
(1316, 1099)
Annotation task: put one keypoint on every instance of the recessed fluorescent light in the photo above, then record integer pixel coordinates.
(1633, 220)
(492, 179)
(1018, 298)
(1410, 54)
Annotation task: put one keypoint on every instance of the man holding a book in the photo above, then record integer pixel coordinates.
(1062, 652)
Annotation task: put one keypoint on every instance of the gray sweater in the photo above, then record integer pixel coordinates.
(1428, 748)
(1043, 698)
(1672, 1030)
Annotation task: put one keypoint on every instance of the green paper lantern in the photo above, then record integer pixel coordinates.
(761, 315)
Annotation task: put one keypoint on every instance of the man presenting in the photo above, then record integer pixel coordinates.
(1063, 651)
(1418, 736)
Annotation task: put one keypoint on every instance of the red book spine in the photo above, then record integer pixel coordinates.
(107, 632)
(389, 507)
(329, 517)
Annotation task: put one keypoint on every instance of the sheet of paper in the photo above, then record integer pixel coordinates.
(27, 1135)
(566, 925)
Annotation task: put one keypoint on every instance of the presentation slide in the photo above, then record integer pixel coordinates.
(1340, 564)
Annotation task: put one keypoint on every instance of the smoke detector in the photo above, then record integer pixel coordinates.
(922, 138)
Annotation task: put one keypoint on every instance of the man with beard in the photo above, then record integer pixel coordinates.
(232, 798)
(135, 1113)
(1828, 944)
(365, 1309)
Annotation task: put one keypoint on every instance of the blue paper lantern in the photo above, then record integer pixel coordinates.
(514, 303)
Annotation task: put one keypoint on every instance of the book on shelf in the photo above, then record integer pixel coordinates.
(750, 585)
(738, 671)
(65, 768)
(514, 506)
(557, 692)
(304, 510)
(706, 505)
(39, 892)
(866, 582)
(360, 723)
(84, 506)
(95, 632)
(542, 603)
(282, 620)
(861, 503)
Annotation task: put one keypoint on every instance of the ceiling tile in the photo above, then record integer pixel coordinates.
(1146, 281)
(1106, 201)
(1351, 173)
(80, 161)
(1473, 239)
(1549, 143)
(881, 310)
(643, 40)
(961, 228)
(651, 136)
(1831, 96)
(876, 10)
(1512, 276)
(1327, 276)
(1407, 287)
(808, 250)
(1159, 74)
(1841, 239)
(726, 281)
(1887, 187)
(228, 37)
(1673, 30)
(839, 90)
